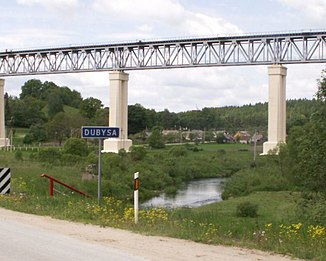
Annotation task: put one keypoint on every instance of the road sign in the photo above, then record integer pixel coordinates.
(100, 132)
(4, 180)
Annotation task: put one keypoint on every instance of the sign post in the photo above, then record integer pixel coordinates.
(136, 187)
(99, 132)
(99, 193)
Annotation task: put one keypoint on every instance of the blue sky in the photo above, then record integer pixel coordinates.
(49, 23)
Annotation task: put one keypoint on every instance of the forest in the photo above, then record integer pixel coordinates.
(54, 113)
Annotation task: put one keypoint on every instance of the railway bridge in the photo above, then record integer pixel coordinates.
(274, 50)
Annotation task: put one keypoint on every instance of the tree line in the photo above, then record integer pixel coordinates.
(54, 113)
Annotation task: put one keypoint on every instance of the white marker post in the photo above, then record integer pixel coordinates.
(136, 187)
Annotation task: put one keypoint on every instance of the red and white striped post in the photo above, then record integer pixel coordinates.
(136, 187)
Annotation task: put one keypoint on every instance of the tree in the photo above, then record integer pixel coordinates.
(37, 133)
(32, 88)
(305, 153)
(156, 140)
(102, 117)
(55, 103)
(136, 118)
(168, 120)
(59, 127)
(7, 109)
(26, 112)
(90, 106)
(321, 93)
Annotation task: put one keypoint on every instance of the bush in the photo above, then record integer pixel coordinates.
(266, 178)
(18, 155)
(49, 155)
(69, 159)
(156, 140)
(247, 209)
(76, 146)
(28, 139)
(137, 153)
(178, 151)
(312, 208)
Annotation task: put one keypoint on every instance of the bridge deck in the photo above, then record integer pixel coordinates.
(250, 49)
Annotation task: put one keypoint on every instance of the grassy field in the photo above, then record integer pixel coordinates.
(274, 228)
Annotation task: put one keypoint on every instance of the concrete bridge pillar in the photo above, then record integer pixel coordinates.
(118, 112)
(276, 108)
(3, 140)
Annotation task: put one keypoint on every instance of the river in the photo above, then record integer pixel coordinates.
(194, 194)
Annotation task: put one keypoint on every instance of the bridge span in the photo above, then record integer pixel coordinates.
(272, 49)
(250, 49)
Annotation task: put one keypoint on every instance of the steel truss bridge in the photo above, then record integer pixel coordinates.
(251, 49)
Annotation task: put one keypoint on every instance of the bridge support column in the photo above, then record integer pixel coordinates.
(118, 112)
(3, 140)
(276, 108)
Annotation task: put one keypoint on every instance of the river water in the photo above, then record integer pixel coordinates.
(195, 194)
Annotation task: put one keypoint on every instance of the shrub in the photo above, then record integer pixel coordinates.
(28, 139)
(245, 181)
(18, 155)
(156, 140)
(178, 151)
(76, 146)
(312, 208)
(49, 155)
(247, 209)
(68, 159)
(137, 153)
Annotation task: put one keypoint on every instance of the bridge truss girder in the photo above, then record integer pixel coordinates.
(264, 49)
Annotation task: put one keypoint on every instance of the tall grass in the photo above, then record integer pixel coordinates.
(276, 227)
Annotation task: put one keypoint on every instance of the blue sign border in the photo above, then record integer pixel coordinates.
(99, 132)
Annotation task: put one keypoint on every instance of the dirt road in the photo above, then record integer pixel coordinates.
(147, 247)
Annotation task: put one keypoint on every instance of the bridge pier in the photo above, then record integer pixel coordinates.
(276, 108)
(3, 140)
(118, 112)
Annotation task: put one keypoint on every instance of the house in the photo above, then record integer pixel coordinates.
(259, 138)
(225, 134)
(242, 137)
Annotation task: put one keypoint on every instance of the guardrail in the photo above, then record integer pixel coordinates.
(51, 187)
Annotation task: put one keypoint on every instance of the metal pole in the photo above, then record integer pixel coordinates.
(51, 187)
(99, 172)
(255, 146)
(136, 186)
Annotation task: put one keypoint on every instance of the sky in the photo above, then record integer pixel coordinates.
(51, 23)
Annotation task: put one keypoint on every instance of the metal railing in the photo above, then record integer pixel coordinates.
(53, 180)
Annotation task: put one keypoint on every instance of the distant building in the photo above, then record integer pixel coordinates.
(242, 137)
(227, 137)
(259, 138)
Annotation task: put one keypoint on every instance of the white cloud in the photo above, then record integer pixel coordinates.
(188, 89)
(60, 4)
(170, 14)
(201, 24)
(28, 37)
(157, 10)
(314, 10)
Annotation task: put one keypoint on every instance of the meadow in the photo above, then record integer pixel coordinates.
(272, 223)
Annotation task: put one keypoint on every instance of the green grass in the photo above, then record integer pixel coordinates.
(276, 228)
